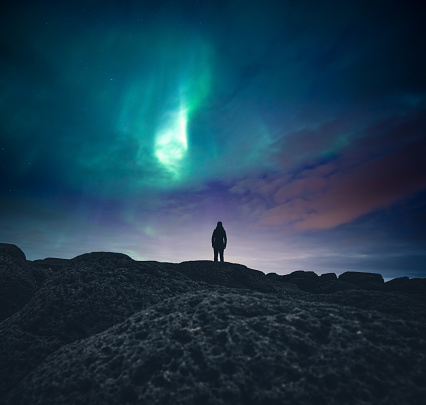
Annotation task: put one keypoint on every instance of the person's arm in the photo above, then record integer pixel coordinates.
(224, 239)
(213, 239)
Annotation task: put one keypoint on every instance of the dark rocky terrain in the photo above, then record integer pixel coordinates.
(104, 329)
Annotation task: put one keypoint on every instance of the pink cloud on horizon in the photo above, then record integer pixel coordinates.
(320, 200)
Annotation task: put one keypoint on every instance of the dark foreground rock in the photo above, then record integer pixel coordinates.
(329, 283)
(246, 348)
(406, 285)
(227, 275)
(19, 279)
(366, 281)
(105, 329)
(52, 263)
(92, 293)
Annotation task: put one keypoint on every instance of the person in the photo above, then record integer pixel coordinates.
(219, 241)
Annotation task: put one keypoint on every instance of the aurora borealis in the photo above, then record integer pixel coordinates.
(135, 126)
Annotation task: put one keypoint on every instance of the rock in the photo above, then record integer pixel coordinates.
(92, 293)
(367, 281)
(226, 274)
(305, 280)
(52, 263)
(417, 286)
(307, 284)
(328, 277)
(403, 307)
(274, 277)
(232, 348)
(280, 281)
(301, 274)
(406, 285)
(397, 284)
(19, 280)
(9, 252)
(330, 287)
(104, 328)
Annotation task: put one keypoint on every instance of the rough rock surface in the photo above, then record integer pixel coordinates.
(93, 292)
(107, 329)
(19, 279)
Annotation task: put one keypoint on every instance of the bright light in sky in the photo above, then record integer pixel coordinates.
(171, 144)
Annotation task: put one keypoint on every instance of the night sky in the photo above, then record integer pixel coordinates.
(134, 126)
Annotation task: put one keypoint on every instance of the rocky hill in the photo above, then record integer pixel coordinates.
(105, 329)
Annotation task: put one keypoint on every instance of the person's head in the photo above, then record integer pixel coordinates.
(219, 224)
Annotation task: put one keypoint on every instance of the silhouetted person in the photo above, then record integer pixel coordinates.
(219, 241)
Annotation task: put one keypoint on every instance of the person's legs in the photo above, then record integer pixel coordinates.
(221, 255)
(215, 254)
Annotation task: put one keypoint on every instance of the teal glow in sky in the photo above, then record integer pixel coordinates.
(171, 143)
(136, 126)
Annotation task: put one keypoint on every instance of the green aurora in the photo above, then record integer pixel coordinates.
(136, 126)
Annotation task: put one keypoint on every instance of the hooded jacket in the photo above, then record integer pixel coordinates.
(219, 237)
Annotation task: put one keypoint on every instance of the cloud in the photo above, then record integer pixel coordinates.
(372, 172)
(319, 202)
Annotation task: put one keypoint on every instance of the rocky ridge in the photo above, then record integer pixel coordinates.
(103, 328)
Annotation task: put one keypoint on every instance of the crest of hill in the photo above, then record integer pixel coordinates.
(23, 278)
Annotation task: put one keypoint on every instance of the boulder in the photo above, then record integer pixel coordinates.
(298, 274)
(280, 281)
(18, 280)
(307, 284)
(52, 263)
(328, 277)
(236, 348)
(92, 293)
(274, 277)
(330, 287)
(9, 252)
(417, 286)
(367, 281)
(407, 285)
(397, 284)
(226, 274)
